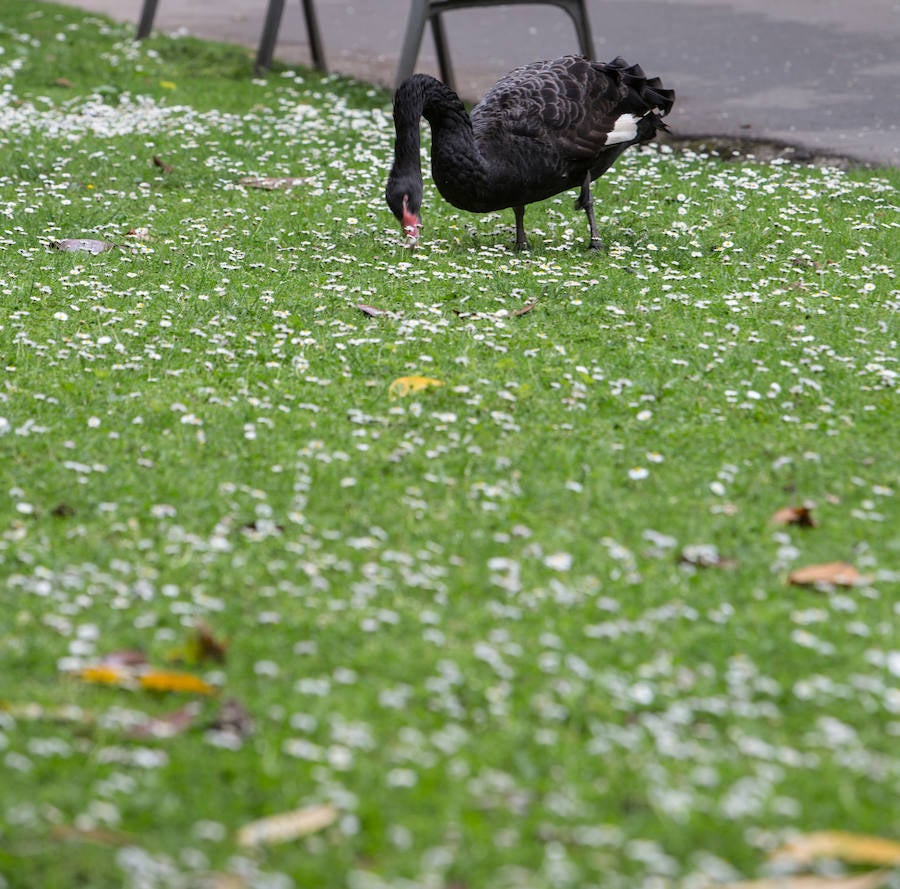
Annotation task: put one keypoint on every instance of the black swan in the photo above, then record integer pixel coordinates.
(541, 129)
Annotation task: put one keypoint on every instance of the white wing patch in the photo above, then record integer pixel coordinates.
(625, 129)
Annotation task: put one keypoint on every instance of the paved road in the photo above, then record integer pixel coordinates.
(819, 74)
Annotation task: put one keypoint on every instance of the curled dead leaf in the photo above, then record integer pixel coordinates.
(830, 573)
(100, 836)
(872, 880)
(850, 847)
(524, 310)
(273, 183)
(402, 386)
(795, 515)
(87, 245)
(159, 162)
(287, 826)
(233, 718)
(167, 726)
(371, 311)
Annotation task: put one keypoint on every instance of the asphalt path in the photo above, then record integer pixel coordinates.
(822, 76)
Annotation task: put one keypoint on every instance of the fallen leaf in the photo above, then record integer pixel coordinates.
(159, 162)
(88, 245)
(126, 657)
(233, 718)
(63, 511)
(167, 726)
(101, 675)
(402, 386)
(873, 880)
(63, 82)
(705, 555)
(850, 847)
(371, 311)
(90, 835)
(272, 183)
(287, 826)
(524, 310)
(209, 646)
(170, 680)
(834, 573)
(795, 515)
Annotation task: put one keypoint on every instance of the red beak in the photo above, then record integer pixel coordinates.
(411, 224)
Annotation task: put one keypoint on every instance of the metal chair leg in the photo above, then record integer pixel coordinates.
(422, 11)
(269, 36)
(443, 53)
(148, 13)
(315, 39)
(415, 27)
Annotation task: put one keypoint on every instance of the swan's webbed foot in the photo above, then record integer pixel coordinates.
(595, 244)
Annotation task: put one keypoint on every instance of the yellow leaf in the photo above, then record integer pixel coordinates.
(167, 84)
(873, 880)
(851, 847)
(402, 386)
(169, 680)
(287, 826)
(103, 675)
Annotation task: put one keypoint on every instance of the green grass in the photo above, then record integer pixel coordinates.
(462, 616)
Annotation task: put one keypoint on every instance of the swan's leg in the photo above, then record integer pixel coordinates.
(521, 240)
(586, 202)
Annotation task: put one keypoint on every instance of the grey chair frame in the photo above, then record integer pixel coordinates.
(424, 11)
(269, 33)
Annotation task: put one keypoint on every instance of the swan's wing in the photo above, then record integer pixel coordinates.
(578, 106)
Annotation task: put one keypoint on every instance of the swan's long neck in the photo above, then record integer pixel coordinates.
(455, 157)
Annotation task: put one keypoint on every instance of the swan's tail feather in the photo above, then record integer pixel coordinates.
(645, 94)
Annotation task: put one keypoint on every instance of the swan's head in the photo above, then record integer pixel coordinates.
(404, 197)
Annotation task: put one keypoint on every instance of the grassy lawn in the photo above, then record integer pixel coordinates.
(529, 628)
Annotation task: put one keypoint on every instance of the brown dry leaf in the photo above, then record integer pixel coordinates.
(159, 162)
(64, 82)
(834, 573)
(850, 847)
(167, 726)
(872, 880)
(208, 645)
(271, 183)
(402, 386)
(92, 835)
(87, 245)
(795, 515)
(287, 826)
(524, 310)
